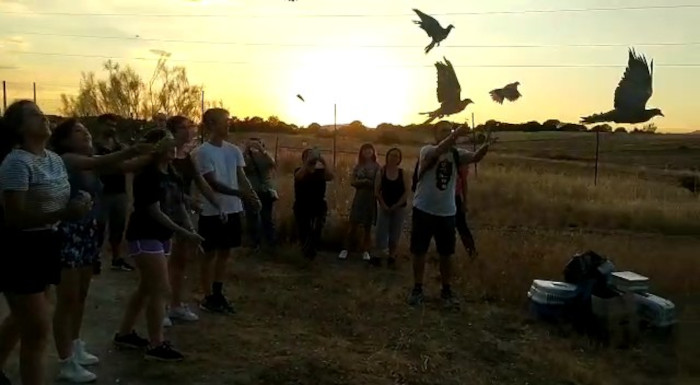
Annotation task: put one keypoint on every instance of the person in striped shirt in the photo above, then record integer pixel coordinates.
(35, 199)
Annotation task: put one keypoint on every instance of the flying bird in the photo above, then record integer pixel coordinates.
(299, 96)
(509, 92)
(448, 93)
(631, 95)
(433, 28)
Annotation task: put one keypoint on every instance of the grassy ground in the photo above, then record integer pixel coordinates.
(346, 323)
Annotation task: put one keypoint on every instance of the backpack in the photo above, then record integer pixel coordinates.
(414, 182)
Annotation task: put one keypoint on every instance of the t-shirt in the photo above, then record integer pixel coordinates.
(150, 186)
(435, 190)
(42, 177)
(258, 169)
(113, 183)
(224, 162)
(310, 192)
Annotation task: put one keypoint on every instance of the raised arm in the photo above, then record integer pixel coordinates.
(104, 162)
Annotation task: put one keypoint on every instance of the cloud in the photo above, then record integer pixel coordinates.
(8, 67)
(14, 43)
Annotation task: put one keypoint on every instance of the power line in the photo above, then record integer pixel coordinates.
(359, 15)
(212, 42)
(287, 64)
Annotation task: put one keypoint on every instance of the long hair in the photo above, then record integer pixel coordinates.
(10, 126)
(360, 159)
(59, 135)
(386, 157)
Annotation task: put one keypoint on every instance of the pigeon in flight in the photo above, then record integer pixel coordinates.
(433, 28)
(299, 96)
(448, 93)
(631, 95)
(509, 92)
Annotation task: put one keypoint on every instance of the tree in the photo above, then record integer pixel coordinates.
(125, 93)
(621, 130)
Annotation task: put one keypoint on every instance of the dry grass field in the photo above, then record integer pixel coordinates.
(531, 208)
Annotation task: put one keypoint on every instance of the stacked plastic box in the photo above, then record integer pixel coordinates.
(651, 309)
(548, 299)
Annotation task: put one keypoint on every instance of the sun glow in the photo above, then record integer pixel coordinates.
(360, 90)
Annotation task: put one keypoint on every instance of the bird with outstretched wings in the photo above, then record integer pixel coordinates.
(631, 95)
(448, 92)
(634, 89)
(433, 28)
(509, 92)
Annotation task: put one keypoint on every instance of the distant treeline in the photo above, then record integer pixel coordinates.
(387, 133)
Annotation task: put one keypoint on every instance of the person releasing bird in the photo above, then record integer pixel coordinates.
(631, 95)
(509, 92)
(448, 93)
(433, 28)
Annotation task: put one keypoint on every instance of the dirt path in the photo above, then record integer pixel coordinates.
(346, 323)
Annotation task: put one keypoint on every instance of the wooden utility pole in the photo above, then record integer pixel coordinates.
(335, 132)
(34, 90)
(476, 169)
(597, 147)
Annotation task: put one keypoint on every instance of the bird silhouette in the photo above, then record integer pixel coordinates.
(448, 93)
(299, 96)
(631, 95)
(509, 92)
(433, 28)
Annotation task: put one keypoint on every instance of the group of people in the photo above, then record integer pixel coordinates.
(438, 186)
(63, 190)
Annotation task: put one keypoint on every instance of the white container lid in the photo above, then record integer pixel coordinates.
(554, 287)
(630, 276)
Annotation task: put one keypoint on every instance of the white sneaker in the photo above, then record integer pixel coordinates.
(183, 313)
(167, 322)
(82, 357)
(343, 255)
(71, 371)
(366, 256)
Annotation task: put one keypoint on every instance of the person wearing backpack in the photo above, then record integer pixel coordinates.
(434, 208)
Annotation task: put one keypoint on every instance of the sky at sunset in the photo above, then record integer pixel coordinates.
(365, 55)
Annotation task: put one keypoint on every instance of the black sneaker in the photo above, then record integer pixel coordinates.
(449, 300)
(3, 379)
(416, 297)
(226, 306)
(121, 265)
(211, 304)
(130, 341)
(163, 352)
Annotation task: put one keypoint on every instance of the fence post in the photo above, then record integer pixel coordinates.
(4, 96)
(335, 131)
(476, 169)
(34, 91)
(277, 146)
(597, 146)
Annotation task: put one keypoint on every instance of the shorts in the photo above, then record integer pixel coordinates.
(80, 244)
(219, 235)
(113, 213)
(425, 227)
(30, 262)
(149, 246)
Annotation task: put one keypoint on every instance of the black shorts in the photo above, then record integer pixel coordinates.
(219, 235)
(30, 262)
(425, 227)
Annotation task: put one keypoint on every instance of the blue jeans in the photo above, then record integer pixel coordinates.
(389, 228)
(261, 224)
